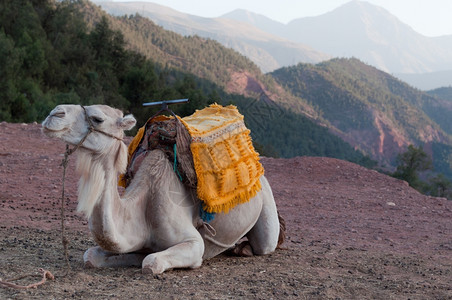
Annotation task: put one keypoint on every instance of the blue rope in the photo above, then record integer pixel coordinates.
(205, 216)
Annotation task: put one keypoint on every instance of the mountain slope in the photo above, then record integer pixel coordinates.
(369, 108)
(205, 58)
(439, 107)
(269, 52)
(444, 93)
(381, 130)
(280, 123)
(69, 52)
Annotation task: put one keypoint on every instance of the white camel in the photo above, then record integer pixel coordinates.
(155, 224)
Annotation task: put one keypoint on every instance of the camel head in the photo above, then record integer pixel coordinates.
(100, 124)
(96, 130)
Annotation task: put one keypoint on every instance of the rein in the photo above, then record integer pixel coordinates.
(64, 163)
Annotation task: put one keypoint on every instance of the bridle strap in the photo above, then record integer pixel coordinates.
(91, 127)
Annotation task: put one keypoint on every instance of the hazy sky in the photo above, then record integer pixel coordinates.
(428, 17)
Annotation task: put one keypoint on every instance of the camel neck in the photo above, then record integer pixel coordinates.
(96, 173)
(110, 217)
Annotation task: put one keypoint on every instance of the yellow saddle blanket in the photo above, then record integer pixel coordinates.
(226, 164)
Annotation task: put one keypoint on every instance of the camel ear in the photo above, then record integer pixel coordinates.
(127, 122)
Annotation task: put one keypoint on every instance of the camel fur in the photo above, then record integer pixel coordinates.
(155, 223)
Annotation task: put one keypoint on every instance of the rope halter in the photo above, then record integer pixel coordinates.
(91, 129)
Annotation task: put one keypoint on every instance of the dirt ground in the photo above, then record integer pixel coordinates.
(352, 233)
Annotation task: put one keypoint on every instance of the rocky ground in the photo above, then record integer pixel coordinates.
(352, 233)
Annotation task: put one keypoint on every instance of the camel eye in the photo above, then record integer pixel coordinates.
(97, 120)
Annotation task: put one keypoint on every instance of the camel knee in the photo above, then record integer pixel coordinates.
(184, 255)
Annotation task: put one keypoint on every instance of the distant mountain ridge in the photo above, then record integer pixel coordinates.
(269, 52)
(257, 20)
(368, 32)
(356, 29)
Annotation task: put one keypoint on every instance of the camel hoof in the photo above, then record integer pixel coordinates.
(147, 271)
(243, 249)
(90, 258)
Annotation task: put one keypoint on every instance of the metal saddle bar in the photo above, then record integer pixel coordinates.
(164, 104)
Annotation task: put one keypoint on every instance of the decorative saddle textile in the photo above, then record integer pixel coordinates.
(226, 164)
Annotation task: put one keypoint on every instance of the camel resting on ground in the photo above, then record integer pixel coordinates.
(156, 223)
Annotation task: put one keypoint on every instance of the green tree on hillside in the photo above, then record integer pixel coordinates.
(410, 164)
(440, 186)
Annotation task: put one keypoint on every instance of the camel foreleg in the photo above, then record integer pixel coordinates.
(187, 254)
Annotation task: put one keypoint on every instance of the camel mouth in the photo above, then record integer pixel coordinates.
(55, 124)
(52, 132)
